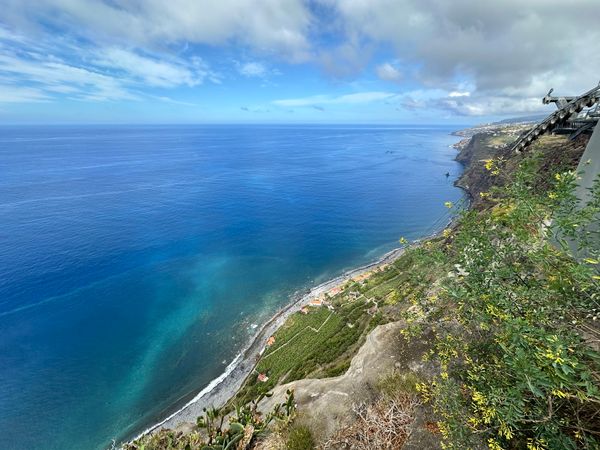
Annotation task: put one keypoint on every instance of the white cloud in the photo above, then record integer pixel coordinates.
(411, 104)
(18, 94)
(151, 71)
(509, 49)
(363, 97)
(463, 103)
(345, 60)
(57, 76)
(459, 94)
(92, 74)
(490, 105)
(165, 99)
(253, 69)
(504, 54)
(348, 99)
(388, 72)
(269, 26)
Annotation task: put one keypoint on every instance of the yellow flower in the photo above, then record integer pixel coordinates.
(535, 445)
(478, 398)
(403, 241)
(502, 210)
(493, 444)
(559, 393)
(557, 176)
(505, 431)
(488, 415)
(474, 421)
(447, 232)
(555, 357)
(448, 204)
(443, 429)
(552, 195)
(489, 164)
(484, 194)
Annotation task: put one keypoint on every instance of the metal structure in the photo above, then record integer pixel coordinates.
(574, 116)
(567, 119)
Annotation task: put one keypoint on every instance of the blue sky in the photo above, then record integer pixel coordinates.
(290, 61)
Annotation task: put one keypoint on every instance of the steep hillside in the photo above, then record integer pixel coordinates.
(558, 153)
(487, 334)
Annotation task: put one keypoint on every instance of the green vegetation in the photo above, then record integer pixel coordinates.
(317, 344)
(500, 139)
(396, 383)
(515, 319)
(323, 342)
(300, 438)
(242, 430)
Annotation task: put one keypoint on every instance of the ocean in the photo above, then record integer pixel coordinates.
(137, 261)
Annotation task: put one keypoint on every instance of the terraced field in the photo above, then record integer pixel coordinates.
(321, 343)
(312, 344)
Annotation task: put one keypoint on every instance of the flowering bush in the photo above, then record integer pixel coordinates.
(518, 325)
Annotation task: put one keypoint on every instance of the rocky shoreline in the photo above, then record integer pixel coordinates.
(217, 393)
(223, 388)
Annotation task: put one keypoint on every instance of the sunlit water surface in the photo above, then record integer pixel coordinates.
(134, 261)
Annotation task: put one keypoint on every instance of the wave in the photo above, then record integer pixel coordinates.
(297, 300)
(213, 384)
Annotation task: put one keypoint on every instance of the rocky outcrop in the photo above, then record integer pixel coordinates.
(475, 178)
(326, 405)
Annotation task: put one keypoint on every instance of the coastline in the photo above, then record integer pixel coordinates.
(225, 386)
(220, 390)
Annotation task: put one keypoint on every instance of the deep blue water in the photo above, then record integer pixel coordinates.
(134, 259)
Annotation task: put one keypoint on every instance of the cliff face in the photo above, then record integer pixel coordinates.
(475, 178)
(328, 406)
(400, 291)
(559, 154)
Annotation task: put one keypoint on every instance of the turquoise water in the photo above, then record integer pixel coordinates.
(136, 261)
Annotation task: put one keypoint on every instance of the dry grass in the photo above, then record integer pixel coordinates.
(383, 425)
(273, 441)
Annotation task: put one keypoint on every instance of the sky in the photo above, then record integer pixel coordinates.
(292, 61)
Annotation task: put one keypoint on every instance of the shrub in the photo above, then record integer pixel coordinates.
(212, 433)
(518, 316)
(300, 438)
(396, 383)
(383, 425)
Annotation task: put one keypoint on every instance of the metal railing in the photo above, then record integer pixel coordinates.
(567, 107)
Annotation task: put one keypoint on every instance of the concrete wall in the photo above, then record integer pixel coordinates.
(589, 165)
(589, 170)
